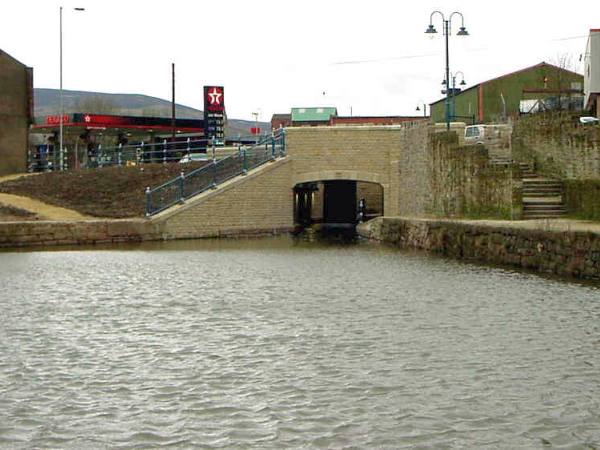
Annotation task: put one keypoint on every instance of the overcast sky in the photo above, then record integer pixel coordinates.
(371, 56)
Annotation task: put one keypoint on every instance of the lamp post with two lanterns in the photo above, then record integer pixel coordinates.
(447, 30)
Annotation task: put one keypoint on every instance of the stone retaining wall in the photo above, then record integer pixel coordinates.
(565, 253)
(558, 145)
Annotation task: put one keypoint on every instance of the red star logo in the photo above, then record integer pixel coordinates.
(214, 96)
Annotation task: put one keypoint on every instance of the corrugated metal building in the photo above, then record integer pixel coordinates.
(16, 113)
(491, 100)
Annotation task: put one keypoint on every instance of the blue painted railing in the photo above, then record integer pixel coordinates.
(214, 173)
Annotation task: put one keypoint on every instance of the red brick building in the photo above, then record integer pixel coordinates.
(281, 121)
(16, 113)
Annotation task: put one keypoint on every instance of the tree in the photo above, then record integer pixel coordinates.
(560, 81)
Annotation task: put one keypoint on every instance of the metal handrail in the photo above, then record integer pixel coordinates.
(211, 175)
(119, 155)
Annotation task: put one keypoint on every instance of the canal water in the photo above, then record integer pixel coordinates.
(287, 343)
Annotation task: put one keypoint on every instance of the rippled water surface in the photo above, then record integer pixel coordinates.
(277, 343)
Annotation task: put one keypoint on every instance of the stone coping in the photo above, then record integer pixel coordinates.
(554, 225)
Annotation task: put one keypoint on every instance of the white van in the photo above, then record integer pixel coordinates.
(484, 134)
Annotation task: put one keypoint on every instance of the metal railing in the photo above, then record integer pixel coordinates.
(216, 172)
(120, 155)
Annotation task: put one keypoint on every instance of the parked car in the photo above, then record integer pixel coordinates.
(485, 134)
(194, 157)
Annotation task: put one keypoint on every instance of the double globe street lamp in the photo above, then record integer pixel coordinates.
(447, 31)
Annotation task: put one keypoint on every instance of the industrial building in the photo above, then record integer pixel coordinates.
(16, 113)
(496, 99)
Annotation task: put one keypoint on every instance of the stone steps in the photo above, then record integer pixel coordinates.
(527, 171)
(542, 197)
(501, 161)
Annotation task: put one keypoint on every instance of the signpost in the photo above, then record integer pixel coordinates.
(214, 114)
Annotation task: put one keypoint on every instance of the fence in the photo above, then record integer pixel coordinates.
(214, 173)
(45, 158)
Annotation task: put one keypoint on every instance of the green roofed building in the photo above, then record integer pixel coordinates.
(504, 96)
(312, 116)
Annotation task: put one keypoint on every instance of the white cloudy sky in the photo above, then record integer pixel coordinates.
(272, 55)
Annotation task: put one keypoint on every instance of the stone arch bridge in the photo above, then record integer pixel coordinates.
(268, 198)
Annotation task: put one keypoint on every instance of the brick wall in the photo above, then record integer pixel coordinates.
(15, 114)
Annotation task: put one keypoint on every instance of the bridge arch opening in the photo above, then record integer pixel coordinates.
(337, 202)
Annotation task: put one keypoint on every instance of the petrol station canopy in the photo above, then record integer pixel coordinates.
(113, 124)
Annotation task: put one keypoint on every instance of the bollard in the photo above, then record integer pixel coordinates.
(244, 161)
(99, 157)
(189, 149)
(119, 154)
(164, 151)
(142, 154)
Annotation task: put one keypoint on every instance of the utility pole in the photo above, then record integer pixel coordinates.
(173, 105)
(62, 108)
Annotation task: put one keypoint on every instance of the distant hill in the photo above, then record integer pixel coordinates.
(46, 103)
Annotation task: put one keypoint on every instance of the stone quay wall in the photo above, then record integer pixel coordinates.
(564, 253)
(50, 233)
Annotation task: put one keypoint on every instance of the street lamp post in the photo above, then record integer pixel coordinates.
(454, 92)
(255, 114)
(61, 107)
(418, 108)
(447, 30)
